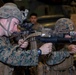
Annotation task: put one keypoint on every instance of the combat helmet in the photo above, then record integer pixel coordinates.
(10, 10)
(64, 25)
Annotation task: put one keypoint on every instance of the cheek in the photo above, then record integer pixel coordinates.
(15, 28)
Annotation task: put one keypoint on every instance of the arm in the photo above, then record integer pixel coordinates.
(58, 56)
(17, 57)
(21, 57)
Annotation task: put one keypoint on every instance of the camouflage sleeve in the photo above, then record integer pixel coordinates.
(57, 57)
(17, 57)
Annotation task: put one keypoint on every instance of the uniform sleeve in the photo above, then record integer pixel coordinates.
(17, 57)
(57, 57)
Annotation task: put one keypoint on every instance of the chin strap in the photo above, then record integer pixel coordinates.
(8, 23)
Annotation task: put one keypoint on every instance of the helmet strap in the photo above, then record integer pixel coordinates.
(8, 24)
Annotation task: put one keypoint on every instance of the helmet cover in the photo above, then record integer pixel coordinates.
(64, 25)
(10, 10)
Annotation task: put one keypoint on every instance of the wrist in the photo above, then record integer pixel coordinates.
(39, 51)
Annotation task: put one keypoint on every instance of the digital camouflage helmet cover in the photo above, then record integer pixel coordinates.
(10, 10)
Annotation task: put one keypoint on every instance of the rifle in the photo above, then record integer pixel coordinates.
(47, 35)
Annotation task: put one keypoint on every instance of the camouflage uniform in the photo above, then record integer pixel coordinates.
(61, 61)
(9, 54)
(16, 57)
(37, 26)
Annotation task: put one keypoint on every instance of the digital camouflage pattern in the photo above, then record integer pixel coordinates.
(64, 25)
(10, 10)
(61, 61)
(17, 57)
(58, 56)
